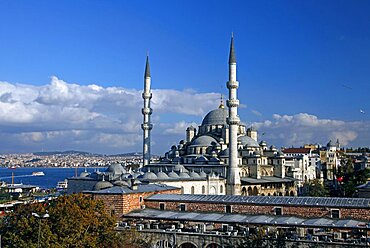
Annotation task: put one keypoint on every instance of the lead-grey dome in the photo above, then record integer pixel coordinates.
(204, 140)
(102, 185)
(173, 174)
(248, 141)
(116, 169)
(162, 175)
(149, 175)
(216, 117)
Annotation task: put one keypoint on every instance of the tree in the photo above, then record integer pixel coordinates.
(74, 221)
(316, 188)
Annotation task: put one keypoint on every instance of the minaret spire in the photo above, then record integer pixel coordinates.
(232, 57)
(233, 177)
(146, 111)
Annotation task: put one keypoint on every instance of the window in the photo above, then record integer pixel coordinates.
(335, 214)
(203, 190)
(182, 207)
(221, 189)
(112, 212)
(228, 209)
(140, 199)
(278, 211)
(161, 206)
(192, 190)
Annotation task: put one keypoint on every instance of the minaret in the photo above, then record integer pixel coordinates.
(233, 177)
(147, 111)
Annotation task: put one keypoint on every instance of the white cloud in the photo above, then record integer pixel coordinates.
(302, 128)
(62, 115)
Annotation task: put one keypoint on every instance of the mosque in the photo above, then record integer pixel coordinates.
(221, 156)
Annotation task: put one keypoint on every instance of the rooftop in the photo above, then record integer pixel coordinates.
(153, 214)
(118, 190)
(267, 200)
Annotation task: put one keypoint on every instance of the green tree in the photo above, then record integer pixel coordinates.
(316, 188)
(74, 221)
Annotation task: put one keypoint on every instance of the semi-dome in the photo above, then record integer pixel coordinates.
(162, 175)
(102, 185)
(216, 117)
(248, 141)
(204, 140)
(116, 169)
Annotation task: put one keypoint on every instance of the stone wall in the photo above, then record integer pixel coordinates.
(118, 205)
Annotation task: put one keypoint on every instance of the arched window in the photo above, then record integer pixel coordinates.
(221, 189)
(192, 190)
(203, 189)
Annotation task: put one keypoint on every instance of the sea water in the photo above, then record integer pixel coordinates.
(49, 181)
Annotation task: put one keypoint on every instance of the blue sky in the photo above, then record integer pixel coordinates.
(294, 57)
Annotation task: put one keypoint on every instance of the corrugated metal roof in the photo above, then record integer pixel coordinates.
(267, 200)
(154, 214)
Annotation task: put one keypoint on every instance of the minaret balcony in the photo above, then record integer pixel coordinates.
(146, 111)
(147, 95)
(232, 84)
(233, 120)
(232, 103)
(146, 126)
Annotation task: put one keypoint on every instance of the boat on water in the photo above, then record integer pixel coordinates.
(12, 167)
(38, 173)
(62, 185)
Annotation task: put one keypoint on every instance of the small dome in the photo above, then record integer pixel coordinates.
(194, 174)
(248, 141)
(184, 175)
(202, 174)
(173, 174)
(102, 185)
(116, 169)
(273, 148)
(204, 140)
(149, 175)
(162, 175)
(84, 174)
(120, 183)
(216, 117)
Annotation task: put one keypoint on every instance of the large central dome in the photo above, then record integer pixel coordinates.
(216, 117)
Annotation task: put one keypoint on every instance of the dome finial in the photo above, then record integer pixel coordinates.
(222, 102)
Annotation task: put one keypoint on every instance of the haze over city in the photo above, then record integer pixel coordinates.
(71, 74)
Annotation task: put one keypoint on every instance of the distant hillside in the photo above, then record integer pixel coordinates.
(62, 153)
(65, 153)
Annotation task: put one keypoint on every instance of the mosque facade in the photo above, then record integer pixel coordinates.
(221, 156)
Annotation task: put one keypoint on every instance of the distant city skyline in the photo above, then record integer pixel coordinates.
(71, 74)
